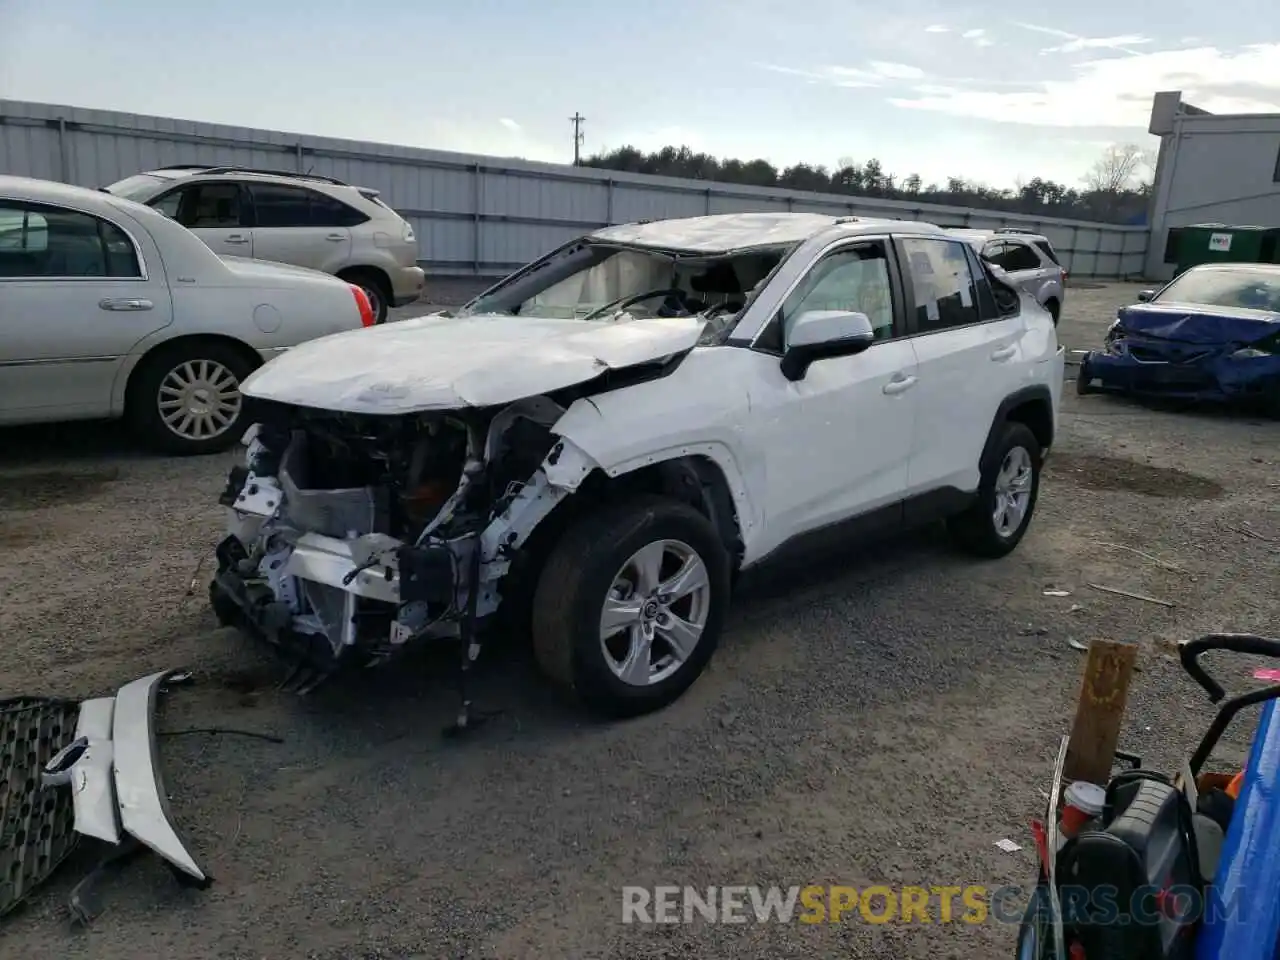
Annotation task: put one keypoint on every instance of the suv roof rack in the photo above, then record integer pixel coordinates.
(1034, 233)
(236, 168)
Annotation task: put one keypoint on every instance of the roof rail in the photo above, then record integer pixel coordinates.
(1017, 230)
(273, 173)
(183, 166)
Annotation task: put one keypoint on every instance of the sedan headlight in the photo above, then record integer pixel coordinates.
(1251, 353)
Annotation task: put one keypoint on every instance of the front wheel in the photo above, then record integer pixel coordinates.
(186, 400)
(1007, 492)
(630, 605)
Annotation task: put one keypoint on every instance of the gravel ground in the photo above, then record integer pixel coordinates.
(885, 719)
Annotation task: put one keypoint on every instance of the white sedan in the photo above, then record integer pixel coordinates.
(109, 309)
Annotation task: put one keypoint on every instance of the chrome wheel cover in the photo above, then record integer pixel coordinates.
(199, 400)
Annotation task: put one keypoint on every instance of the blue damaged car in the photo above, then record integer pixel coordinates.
(1213, 333)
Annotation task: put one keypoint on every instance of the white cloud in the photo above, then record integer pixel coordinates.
(875, 74)
(1117, 91)
(509, 124)
(937, 28)
(1076, 43)
(895, 71)
(973, 34)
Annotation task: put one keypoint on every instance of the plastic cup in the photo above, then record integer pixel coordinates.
(1084, 801)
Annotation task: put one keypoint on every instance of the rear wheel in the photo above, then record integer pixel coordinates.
(1084, 382)
(630, 604)
(1010, 483)
(185, 399)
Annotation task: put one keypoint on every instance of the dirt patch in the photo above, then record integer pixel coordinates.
(13, 537)
(47, 488)
(1101, 472)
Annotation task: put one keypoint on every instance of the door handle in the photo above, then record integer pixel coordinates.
(235, 238)
(899, 384)
(336, 236)
(125, 303)
(1004, 353)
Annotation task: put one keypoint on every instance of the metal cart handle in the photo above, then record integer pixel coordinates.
(1189, 653)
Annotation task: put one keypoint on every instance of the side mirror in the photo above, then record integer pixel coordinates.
(1144, 296)
(818, 334)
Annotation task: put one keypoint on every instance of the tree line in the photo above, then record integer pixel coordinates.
(1114, 190)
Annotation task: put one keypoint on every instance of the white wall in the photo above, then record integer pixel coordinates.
(1215, 169)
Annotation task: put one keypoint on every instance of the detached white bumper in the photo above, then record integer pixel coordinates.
(113, 770)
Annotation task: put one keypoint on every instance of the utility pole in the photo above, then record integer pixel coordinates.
(577, 120)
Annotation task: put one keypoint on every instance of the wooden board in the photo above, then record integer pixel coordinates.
(1104, 691)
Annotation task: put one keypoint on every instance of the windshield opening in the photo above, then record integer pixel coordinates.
(1234, 289)
(138, 187)
(602, 282)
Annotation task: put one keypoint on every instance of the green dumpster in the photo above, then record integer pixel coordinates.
(1222, 243)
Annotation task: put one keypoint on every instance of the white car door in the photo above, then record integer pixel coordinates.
(971, 358)
(836, 443)
(76, 292)
(216, 212)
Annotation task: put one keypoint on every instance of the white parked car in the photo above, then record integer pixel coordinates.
(110, 309)
(599, 444)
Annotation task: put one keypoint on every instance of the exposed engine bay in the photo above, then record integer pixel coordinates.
(350, 536)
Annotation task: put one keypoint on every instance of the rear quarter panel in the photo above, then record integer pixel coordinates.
(266, 315)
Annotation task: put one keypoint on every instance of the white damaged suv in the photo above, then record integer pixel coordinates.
(594, 448)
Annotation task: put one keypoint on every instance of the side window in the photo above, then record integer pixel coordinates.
(210, 206)
(1019, 256)
(328, 212)
(944, 289)
(852, 279)
(169, 203)
(987, 309)
(39, 241)
(281, 206)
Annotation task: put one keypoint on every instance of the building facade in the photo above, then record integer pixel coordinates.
(1212, 168)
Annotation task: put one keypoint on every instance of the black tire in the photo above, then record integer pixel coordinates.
(576, 581)
(375, 287)
(975, 530)
(1084, 385)
(1054, 308)
(143, 410)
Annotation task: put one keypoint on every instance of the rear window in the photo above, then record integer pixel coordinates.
(1047, 249)
(140, 187)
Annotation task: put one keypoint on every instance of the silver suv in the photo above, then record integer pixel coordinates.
(300, 219)
(1028, 258)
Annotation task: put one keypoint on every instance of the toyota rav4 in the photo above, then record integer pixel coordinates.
(596, 447)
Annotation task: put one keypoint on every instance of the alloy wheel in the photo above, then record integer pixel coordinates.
(1012, 491)
(655, 612)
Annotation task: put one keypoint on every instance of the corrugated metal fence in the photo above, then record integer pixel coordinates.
(477, 215)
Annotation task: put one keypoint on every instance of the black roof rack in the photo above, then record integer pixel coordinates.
(235, 168)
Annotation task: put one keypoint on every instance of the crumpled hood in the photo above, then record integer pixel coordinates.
(1195, 323)
(442, 363)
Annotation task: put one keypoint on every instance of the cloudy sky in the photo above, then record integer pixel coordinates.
(991, 91)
